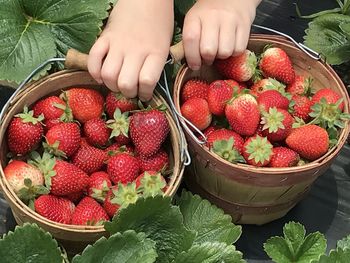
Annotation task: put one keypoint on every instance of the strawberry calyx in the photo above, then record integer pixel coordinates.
(308, 90)
(151, 184)
(67, 115)
(226, 150)
(30, 192)
(119, 124)
(125, 194)
(28, 116)
(259, 149)
(100, 194)
(274, 84)
(121, 149)
(272, 120)
(53, 149)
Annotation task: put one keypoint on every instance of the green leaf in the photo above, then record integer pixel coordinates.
(184, 5)
(336, 256)
(210, 222)
(329, 35)
(344, 243)
(210, 252)
(161, 222)
(29, 243)
(129, 247)
(35, 31)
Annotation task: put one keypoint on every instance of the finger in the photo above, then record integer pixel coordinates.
(227, 40)
(149, 76)
(129, 75)
(241, 41)
(191, 39)
(95, 59)
(110, 70)
(209, 40)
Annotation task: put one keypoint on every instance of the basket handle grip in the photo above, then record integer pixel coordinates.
(76, 60)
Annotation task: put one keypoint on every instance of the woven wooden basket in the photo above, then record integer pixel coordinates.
(73, 238)
(258, 195)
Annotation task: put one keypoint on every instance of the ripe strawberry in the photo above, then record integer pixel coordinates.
(243, 114)
(48, 124)
(117, 100)
(300, 86)
(196, 110)
(207, 131)
(24, 132)
(75, 197)
(99, 185)
(96, 131)
(148, 131)
(225, 134)
(266, 84)
(151, 183)
(330, 95)
(194, 88)
(51, 107)
(89, 159)
(123, 168)
(63, 139)
(111, 205)
(277, 124)
(157, 162)
(117, 148)
(84, 142)
(86, 104)
(240, 68)
(220, 92)
(272, 98)
(120, 127)
(55, 208)
(275, 63)
(301, 107)
(89, 212)
(284, 157)
(309, 141)
(257, 151)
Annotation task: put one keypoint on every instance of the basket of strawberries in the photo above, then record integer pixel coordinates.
(261, 127)
(73, 153)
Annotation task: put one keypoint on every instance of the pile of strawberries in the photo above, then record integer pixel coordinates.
(262, 113)
(78, 157)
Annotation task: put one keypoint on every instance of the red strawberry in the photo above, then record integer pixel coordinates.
(283, 157)
(240, 68)
(275, 63)
(86, 104)
(89, 159)
(266, 84)
(117, 100)
(277, 124)
(51, 107)
(207, 131)
(220, 92)
(272, 98)
(96, 132)
(55, 208)
(120, 127)
(257, 151)
(151, 183)
(24, 132)
(148, 131)
(117, 148)
(243, 114)
(111, 205)
(194, 88)
(99, 185)
(84, 142)
(75, 197)
(89, 212)
(63, 139)
(309, 141)
(157, 162)
(48, 124)
(300, 86)
(196, 110)
(330, 95)
(225, 134)
(123, 168)
(301, 107)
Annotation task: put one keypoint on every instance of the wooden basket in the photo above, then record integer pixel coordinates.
(74, 238)
(258, 195)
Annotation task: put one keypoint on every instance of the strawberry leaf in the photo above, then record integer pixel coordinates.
(344, 243)
(340, 254)
(184, 5)
(122, 248)
(209, 221)
(29, 243)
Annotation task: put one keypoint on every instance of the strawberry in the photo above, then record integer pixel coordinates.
(300, 86)
(123, 168)
(51, 107)
(75, 197)
(266, 84)
(99, 185)
(86, 104)
(148, 131)
(194, 88)
(301, 107)
(111, 205)
(243, 114)
(272, 98)
(275, 63)
(55, 208)
(196, 110)
(207, 131)
(24, 132)
(84, 142)
(220, 92)
(63, 139)
(225, 134)
(240, 68)
(89, 212)
(48, 124)
(117, 148)
(157, 162)
(283, 157)
(96, 131)
(151, 183)
(330, 95)
(257, 151)
(89, 159)
(120, 127)
(309, 141)
(117, 100)
(277, 124)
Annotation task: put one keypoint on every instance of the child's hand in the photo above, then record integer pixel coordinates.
(217, 28)
(131, 52)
